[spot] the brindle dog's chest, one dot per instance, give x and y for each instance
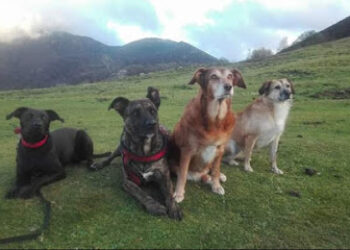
(147, 170)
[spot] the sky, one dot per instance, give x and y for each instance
(223, 28)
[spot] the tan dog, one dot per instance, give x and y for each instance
(261, 123)
(199, 138)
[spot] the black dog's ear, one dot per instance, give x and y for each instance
(17, 113)
(119, 104)
(53, 116)
(238, 79)
(265, 87)
(153, 95)
(198, 77)
(291, 86)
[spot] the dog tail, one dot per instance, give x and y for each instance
(101, 155)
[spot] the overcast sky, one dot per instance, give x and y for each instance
(223, 28)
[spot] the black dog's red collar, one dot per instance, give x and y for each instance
(129, 156)
(31, 145)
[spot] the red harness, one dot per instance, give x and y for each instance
(128, 156)
(31, 145)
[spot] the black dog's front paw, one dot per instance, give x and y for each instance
(26, 192)
(95, 166)
(175, 212)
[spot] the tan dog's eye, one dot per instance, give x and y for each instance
(278, 87)
(230, 76)
(287, 85)
(214, 77)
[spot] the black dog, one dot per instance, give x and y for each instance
(143, 148)
(41, 156)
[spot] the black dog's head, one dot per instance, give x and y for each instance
(140, 116)
(34, 123)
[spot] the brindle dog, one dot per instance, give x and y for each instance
(143, 147)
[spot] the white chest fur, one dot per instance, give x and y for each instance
(217, 109)
(209, 153)
(275, 126)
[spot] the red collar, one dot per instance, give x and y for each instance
(28, 144)
(128, 156)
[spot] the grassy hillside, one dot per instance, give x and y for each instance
(91, 210)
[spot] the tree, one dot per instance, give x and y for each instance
(283, 44)
(304, 35)
(258, 54)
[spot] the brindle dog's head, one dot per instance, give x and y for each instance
(279, 90)
(218, 83)
(35, 123)
(140, 116)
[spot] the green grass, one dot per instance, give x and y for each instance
(90, 210)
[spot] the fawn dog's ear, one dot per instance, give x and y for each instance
(17, 113)
(238, 79)
(119, 104)
(265, 87)
(153, 95)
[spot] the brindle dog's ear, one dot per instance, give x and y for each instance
(119, 104)
(238, 79)
(53, 116)
(198, 77)
(17, 113)
(153, 95)
(291, 86)
(264, 89)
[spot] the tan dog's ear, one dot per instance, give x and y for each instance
(153, 95)
(53, 116)
(264, 89)
(198, 77)
(17, 113)
(238, 79)
(119, 104)
(291, 86)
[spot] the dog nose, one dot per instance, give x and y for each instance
(37, 124)
(150, 123)
(227, 87)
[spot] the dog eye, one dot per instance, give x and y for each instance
(230, 76)
(151, 110)
(278, 87)
(287, 86)
(214, 77)
(136, 112)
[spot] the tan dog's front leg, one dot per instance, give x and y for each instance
(216, 174)
(185, 160)
(273, 156)
(249, 144)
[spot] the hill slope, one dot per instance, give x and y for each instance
(91, 210)
(63, 58)
(334, 32)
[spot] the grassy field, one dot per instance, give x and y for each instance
(90, 210)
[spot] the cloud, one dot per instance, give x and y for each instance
(225, 28)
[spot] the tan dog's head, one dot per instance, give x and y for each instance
(278, 90)
(218, 83)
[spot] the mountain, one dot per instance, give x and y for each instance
(334, 32)
(63, 58)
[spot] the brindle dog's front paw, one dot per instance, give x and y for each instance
(175, 212)
(155, 208)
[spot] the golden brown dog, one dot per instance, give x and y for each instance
(261, 123)
(199, 138)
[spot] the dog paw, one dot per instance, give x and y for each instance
(277, 171)
(155, 208)
(218, 190)
(223, 177)
(233, 162)
(248, 169)
(179, 197)
(26, 193)
(95, 166)
(175, 212)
